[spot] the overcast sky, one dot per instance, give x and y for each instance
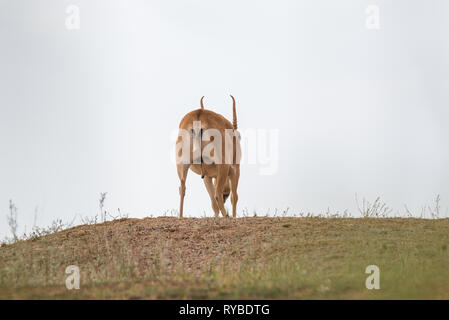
(90, 110)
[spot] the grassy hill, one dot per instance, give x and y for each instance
(207, 258)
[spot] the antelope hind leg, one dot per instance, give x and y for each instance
(210, 189)
(234, 175)
(222, 177)
(183, 169)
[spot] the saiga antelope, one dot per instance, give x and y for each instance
(220, 177)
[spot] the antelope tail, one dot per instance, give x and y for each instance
(234, 114)
(201, 102)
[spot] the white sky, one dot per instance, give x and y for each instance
(92, 110)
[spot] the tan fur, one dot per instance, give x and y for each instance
(221, 180)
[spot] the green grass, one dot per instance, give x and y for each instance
(249, 258)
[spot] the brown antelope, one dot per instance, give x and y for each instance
(204, 129)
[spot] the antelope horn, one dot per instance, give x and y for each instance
(234, 114)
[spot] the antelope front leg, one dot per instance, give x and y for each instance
(183, 169)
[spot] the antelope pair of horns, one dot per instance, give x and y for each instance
(234, 112)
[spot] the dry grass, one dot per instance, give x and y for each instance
(204, 258)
